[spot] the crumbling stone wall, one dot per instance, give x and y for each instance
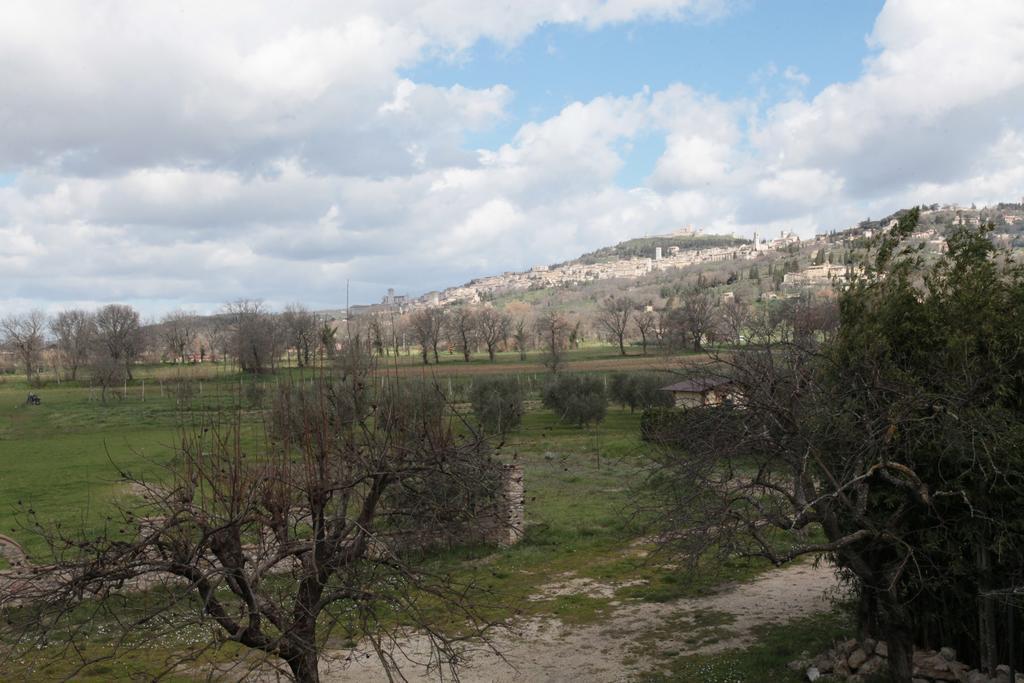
(506, 524)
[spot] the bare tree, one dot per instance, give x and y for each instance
(379, 340)
(317, 532)
(75, 332)
(553, 330)
(695, 319)
(575, 334)
(734, 317)
(462, 329)
(119, 332)
(614, 317)
(646, 323)
(301, 330)
(426, 325)
(255, 336)
(493, 328)
(178, 331)
(105, 371)
(221, 336)
(24, 334)
(521, 337)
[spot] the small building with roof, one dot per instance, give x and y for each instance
(702, 391)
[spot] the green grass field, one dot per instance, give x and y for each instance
(61, 461)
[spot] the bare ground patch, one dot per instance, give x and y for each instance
(632, 638)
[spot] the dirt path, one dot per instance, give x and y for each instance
(629, 641)
(449, 368)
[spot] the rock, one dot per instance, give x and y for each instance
(975, 676)
(824, 663)
(873, 666)
(931, 660)
(868, 645)
(881, 649)
(920, 680)
(813, 674)
(936, 675)
(856, 658)
(848, 646)
(796, 665)
(948, 653)
(841, 668)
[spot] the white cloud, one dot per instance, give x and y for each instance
(203, 152)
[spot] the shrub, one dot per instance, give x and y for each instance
(255, 394)
(660, 425)
(576, 399)
(497, 403)
(640, 391)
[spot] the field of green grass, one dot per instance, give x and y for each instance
(61, 460)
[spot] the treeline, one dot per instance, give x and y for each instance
(101, 346)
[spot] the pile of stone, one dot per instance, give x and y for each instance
(867, 660)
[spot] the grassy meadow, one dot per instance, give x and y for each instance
(60, 461)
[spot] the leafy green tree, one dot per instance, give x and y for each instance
(900, 436)
(639, 390)
(497, 403)
(577, 400)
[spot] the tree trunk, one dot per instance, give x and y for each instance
(622, 346)
(901, 651)
(896, 629)
(304, 667)
(867, 615)
(987, 647)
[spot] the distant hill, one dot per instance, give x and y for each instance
(645, 246)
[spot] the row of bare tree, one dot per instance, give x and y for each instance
(107, 342)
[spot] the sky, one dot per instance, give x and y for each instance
(183, 154)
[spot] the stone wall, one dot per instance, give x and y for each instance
(854, 660)
(509, 518)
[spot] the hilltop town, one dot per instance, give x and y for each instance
(688, 247)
